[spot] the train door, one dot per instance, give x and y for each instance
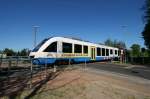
(93, 53)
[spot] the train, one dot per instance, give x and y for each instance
(59, 49)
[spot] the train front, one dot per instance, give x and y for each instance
(35, 54)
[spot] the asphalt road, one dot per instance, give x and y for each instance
(134, 70)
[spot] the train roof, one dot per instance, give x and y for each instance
(80, 40)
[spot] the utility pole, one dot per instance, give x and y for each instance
(35, 33)
(125, 27)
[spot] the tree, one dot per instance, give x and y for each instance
(23, 52)
(146, 35)
(9, 52)
(109, 42)
(146, 31)
(115, 43)
(145, 52)
(120, 45)
(135, 50)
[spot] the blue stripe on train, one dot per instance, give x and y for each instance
(42, 61)
(100, 58)
(82, 59)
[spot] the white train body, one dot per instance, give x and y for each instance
(56, 49)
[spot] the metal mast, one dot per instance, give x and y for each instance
(35, 34)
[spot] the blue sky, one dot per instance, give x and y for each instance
(92, 20)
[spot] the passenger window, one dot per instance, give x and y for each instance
(111, 51)
(67, 47)
(85, 49)
(98, 51)
(107, 52)
(115, 52)
(77, 48)
(103, 51)
(119, 52)
(52, 47)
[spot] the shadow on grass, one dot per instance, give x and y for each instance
(61, 86)
(51, 76)
(39, 85)
(13, 83)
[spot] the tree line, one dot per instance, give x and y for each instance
(135, 50)
(115, 43)
(11, 52)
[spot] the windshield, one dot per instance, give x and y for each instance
(39, 45)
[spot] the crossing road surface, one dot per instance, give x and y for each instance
(134, 70)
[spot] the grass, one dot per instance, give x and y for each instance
(66, 92)
(147, 97)
(79, 90)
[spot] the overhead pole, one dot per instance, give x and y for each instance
(34, 45)
(35, 34)
(123, 56)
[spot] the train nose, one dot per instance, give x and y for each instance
(32, 55)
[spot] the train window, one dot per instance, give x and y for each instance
(111, 51)
(119, 52)
(115, 52)
(39, 45)
(77, 48)
(85, 49)
(67, 47)
(103, 51)
(107, 52)
(52, 47)
(98, 51)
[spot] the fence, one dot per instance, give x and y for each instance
(18, 72)
(139, 60)
(14, 61)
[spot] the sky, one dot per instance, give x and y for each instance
(92, 20)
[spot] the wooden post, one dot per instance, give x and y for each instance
(46, 67)
(31, 70)
(9, 67)
(69, 61)
(54, 70)
(143, 58)
(85, 65)
(17, 61)
(1, 62)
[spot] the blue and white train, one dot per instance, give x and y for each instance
(56, 49)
